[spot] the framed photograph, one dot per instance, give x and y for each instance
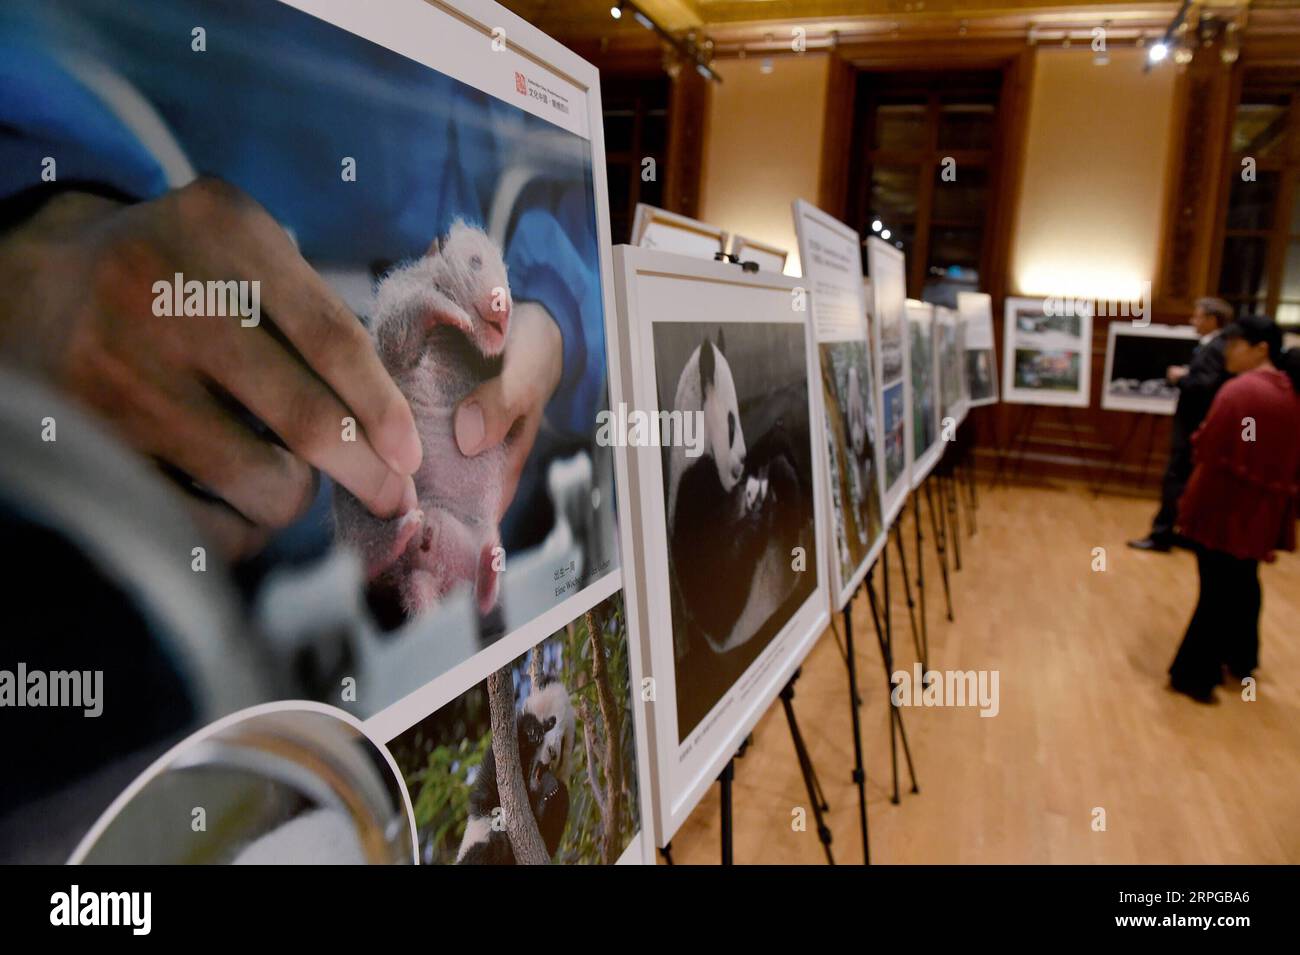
(569, 753)
(951, 352)
(976, 311)
(434, 172)
(964, 404)
(831, 254)
(725, 504)
(655, 228)
(889, 279)
(1047, 358)
(768, 257)
(924, 362)
(1137, 359)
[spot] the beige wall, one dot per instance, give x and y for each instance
(1092, 192)
(762, 146)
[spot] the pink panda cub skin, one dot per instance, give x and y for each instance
(440, 326)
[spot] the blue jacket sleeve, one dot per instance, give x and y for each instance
(48, 112)
(546, 267)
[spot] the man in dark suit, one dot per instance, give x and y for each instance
(1198, 382)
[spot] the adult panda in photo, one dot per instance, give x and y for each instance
(544, 733)
(734, 515)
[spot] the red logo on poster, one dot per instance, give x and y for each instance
(520, 85)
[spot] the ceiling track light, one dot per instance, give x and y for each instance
(698, 54)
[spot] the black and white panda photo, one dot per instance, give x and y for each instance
(585, 810)
(738, 511)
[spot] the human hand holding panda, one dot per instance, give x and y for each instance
(440, 326)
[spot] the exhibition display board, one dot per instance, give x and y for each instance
(767, 257)
(1138, 358)
(888, 273)
(831, 254)
(1046, 358)
(453, 195)
(655, 228)
(927, 448)
(724, 505)
(950, 355)
(976, 310)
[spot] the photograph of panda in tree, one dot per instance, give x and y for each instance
(741, 525)
(851, 445)
(537, 763)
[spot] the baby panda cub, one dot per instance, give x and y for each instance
(440, 325)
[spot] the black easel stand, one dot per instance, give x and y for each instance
(884, 636)
(728, 774)
(920, 581)
(939, 529)
(859, 769)
(1025, 430)
(968, 459)
(1140, 419)
(948, 492)
(815, 794)
(897, 531)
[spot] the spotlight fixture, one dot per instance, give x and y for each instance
(689, 49)
(885, 234)
(1171, 41)
(876, 225)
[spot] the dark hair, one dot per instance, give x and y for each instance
(1217, 307)
(1254, 329)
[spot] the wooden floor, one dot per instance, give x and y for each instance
(1085, 719)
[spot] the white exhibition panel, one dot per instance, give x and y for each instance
(656, 291)
(1146, 347)
(536, 74)
(655, 228)
(831, 254)
(976, 310)
(768, 258)
(920, 317)
(888, 273)
(1047, 359)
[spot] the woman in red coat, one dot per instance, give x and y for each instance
(1239, 506)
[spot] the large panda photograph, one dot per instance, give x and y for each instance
(851, 451)
(568, 756)
(740, 517)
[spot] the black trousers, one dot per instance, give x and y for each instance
(1225, 626)
(1177, 473)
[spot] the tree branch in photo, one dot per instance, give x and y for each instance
(521, 825)
(613, 752)
(590, 740)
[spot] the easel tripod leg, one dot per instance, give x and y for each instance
(940, 545)
(907, 587)
(920, 580)
(728, 775)
(859, 769)
(810, 782)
